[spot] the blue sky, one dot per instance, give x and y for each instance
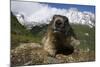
(79, 7)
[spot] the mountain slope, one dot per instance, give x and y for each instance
(19, 34)
(16, 27)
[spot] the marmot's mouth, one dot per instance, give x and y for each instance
(57, 30)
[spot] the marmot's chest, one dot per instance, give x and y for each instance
(59, 40)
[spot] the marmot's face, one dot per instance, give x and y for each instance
(60, 24)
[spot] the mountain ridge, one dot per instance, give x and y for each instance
(74, 15)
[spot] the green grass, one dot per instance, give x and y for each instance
(19, 34)
(86, 41)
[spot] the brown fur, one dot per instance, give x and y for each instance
(59, 42)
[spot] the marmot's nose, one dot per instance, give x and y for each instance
(58, 22)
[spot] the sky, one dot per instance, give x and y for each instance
(79, 7)
(41, 11)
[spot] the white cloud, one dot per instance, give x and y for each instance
(36, 13)
(26, 8)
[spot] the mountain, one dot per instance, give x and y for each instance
(40, 18)
(19, 33)
(16, 27)
(31, 14)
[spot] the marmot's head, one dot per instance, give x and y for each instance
(60, 24)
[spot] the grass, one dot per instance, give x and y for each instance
(87, 41)
(19, 34)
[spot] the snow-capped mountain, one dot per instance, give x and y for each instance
(43, 15)
(74, 16)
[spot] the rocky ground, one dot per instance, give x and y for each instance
(33, 54)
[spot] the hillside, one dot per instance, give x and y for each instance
(16, 27)
(19, 34)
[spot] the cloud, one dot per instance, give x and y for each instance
(37, 13)
(26, 8)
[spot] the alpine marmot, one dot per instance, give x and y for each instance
(60, 37)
